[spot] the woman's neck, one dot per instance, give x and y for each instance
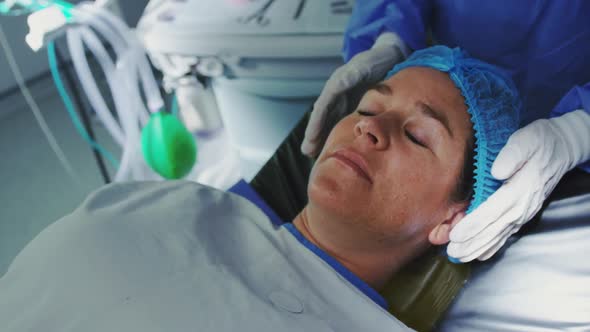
(374, 264)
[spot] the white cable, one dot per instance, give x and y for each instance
(118, 131)
(130, 117)
(118, 89)
(35, 109)
(90, 87)
(116, 32)
(155, 102)
(121, 45)
(130, 108)
(126, 65)
(125, 91)
(131, 65)
(152, 92)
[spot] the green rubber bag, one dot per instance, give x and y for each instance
(168, 147)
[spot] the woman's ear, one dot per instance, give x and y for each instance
(440, 233)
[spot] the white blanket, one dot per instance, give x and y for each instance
(539, 283)
(177, 256)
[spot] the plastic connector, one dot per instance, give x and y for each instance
(44, 26)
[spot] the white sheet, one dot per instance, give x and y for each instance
(539, 283)
(177, 256)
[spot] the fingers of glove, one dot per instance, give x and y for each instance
(493, 231)
(514, 154)
(379, 61)
(535, 204)
(524, 194)
(308, 146)
(344, 78)
(510, 222)
(496, 247)
(553, 173)
(338, 109)
(531, 188)
(365, 67)
(321, 122)
(468, 256)
(312, 130)
(487, 213)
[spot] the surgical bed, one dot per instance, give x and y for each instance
(432, 293)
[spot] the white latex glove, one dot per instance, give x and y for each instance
(366, 67)
(533, 161)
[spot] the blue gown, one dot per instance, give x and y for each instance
(543, 44)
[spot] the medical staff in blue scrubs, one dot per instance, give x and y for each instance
(543, 44)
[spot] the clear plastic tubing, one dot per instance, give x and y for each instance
(123, 104)
(116, 32)
(89, 85)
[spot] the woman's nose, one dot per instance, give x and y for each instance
(371, 132)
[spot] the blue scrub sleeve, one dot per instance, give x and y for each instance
(370, 18)
(577, 98)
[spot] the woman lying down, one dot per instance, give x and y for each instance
(392, 180)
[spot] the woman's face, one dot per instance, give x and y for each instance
(391, 166)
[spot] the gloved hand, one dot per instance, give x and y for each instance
(533, 161)
(366, 67)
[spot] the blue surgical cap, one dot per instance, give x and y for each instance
(492, 102)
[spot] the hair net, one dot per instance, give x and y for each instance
(492, 101)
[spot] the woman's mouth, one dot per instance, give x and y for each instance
(354, 161)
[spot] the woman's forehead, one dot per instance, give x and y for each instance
(435, 89)
(435, 84)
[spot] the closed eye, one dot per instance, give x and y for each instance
(365, 113)
(415, 140)
(408, 133)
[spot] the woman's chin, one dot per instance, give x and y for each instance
(332, 195)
